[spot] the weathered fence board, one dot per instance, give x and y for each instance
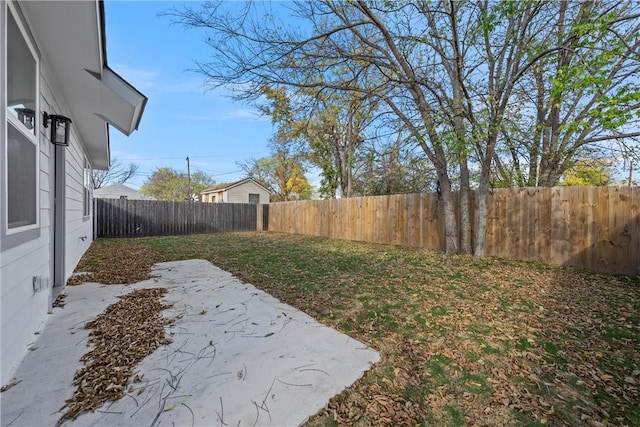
(595, 228)
(138, 218)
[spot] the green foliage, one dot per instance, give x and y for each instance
(515, 88)
(282, 173)
(168, 184)
(588, 172)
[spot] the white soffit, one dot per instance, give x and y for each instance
(120, 104)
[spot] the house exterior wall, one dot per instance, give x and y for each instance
(78, 226)
(212, 197)
(30, 254)
(217, 197)
(240, 193)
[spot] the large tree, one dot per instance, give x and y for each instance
(453, 74)
(168, 184)
(393, 168)
(282, 174)
(579, 101)
(252, 49)
(284, 170)
(335, 136)
(324, 129)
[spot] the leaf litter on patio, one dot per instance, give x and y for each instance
(463, 341)
(121, 337)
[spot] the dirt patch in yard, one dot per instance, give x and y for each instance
(464, 341)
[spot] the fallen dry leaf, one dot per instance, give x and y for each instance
(124, 334)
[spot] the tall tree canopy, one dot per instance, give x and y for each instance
(168, 184)
(583, 172)
(518, 90)
(284, 175)
(284, 171)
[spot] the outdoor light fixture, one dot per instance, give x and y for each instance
(60, 127)
(27, 116)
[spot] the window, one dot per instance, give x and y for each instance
(21, 182)
(22, 129)
(254, 199)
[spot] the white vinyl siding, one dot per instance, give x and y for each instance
(240, 193)
(79, 229)
(23, 258)
(23, 309)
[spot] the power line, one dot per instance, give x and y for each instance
(149, 173)
(226, 173)
(173, 158)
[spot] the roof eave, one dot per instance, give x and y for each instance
(71, 38)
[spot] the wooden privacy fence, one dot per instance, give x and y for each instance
(595, 228)
(138, 218)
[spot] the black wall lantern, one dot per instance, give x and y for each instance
(60, 127)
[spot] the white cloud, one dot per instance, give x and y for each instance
(194, 85)
(242, 114)
(147, 79)
(141, 79)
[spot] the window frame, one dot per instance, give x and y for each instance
(87, 189)
(254, 194)
(10, 120)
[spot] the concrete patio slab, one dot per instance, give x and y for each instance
(239, 357)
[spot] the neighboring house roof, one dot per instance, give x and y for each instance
(228, 185)
(119, 191)
(71, 35)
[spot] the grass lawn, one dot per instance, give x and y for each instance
(463, 341)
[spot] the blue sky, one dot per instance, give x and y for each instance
(182, 118)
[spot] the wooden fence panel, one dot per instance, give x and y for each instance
(595, 228)
(141, 218)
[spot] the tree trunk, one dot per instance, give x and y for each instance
(465, 214)
(450, 223)
(349, 172)
(460, 131)
(348, 152)
(483, 194)
(482, 201)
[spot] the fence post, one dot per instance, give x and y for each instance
(259, 223)
(265, 217)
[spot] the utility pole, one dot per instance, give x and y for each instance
(189, 180)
